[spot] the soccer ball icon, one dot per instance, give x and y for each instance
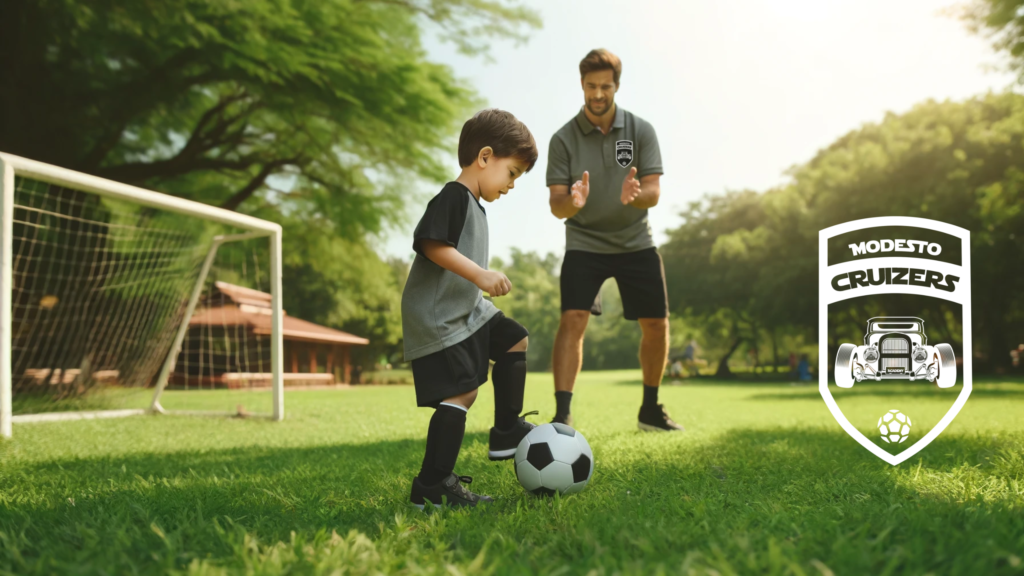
(554, 458)
(894, 426)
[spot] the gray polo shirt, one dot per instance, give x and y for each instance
(441, 308)
(604, 225)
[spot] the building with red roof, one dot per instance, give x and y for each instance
(228, 344)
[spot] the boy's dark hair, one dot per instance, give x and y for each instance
(500, 130)
(601, 59)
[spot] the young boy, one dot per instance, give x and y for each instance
(450, 330)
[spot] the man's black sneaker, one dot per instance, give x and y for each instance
(449, 491)
(505, 442)
(559, 419)
(656, 419)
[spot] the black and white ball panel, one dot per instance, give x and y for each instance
(554, 457)
(564, 429)
(557, 475)
(528, 476)
(582, 468)
(539, 455)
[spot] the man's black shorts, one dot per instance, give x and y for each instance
(640, 276)
(463, 367)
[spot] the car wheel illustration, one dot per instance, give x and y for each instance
(844, 366)
(947, 366)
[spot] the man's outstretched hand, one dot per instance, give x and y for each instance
(580, 190)
(630, 187)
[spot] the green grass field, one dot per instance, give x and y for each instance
(763, 482)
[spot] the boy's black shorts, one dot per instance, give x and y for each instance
(640, 276)
(463, 367)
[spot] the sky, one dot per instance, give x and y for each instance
(738, 91)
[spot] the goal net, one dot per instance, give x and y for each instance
(119, 301)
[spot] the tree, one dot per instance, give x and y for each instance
(327, 101)
(322, 115)
(534, 301)
(755, 256)
(712, 264)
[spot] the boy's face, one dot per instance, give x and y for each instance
(499, 175)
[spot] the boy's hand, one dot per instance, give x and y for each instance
(630, 187)
(494, 283)
(580, 190)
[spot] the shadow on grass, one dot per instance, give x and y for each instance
(708, 381)
(747, 501)
(782, 381)
(889, 390)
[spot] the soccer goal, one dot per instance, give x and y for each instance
(118, 301)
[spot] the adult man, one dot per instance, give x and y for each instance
(603, 150)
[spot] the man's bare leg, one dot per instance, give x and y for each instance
(653, 357)
(653, 349)
(567, 358)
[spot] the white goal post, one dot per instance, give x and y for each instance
(12, 167)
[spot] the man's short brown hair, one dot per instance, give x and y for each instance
(500, 130)
(598, 60)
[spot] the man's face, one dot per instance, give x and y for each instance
(499, 177)
(599, 91)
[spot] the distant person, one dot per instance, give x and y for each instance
(792, 364)
(803, 369)
(604, 171)
(451, 332)
(676, 369)
(357, 374)
(690, 360)
(1016, 354)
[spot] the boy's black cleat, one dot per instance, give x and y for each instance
(656, 419)
(449, 491)
(559, 419)
(504, 442)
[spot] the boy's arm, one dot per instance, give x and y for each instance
(447, 257)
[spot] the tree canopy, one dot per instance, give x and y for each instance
(325, 116)
(212, 100)
(754, 256)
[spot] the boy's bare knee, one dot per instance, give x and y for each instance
(465, 400)
(520, 346)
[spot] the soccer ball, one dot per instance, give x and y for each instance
(554, 458)
(894, 426)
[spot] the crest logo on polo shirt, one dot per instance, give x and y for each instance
(894, 319)
(624, 152)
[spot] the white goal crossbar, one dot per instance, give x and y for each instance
(11, 166)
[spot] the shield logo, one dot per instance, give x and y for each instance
(894, 319)
(624, 152)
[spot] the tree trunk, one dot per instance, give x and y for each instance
(723, 364)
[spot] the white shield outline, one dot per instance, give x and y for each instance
(962, 297)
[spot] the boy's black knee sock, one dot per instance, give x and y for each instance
(509, 377)
(650, 396)
(562, 401)
(444, 440)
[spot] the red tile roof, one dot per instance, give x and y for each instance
(257, 318)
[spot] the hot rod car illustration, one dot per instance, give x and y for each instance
(895, 348)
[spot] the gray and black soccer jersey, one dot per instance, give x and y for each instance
(604, 225)
(441, 308)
